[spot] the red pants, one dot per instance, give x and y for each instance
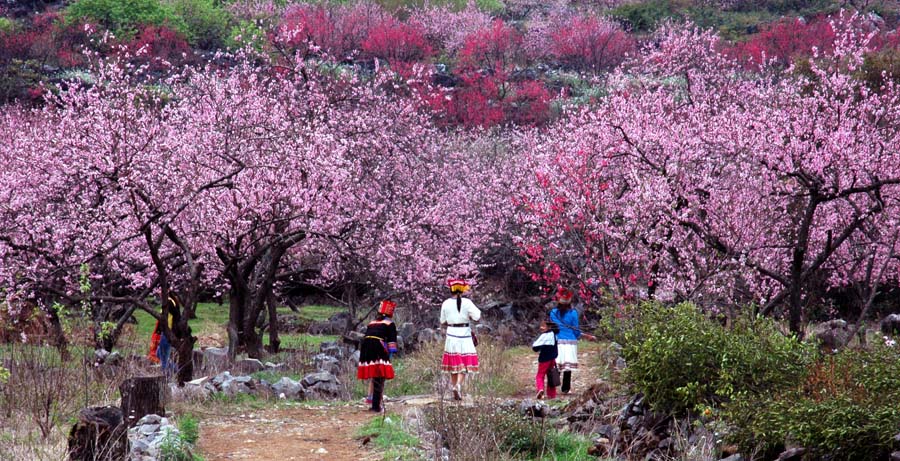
(543, 367)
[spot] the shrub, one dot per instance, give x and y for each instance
(18, 80)
(124, 16)
(246, 33)
(7, 25)
(644, 16)
(880, 67)
(174, 448)
(190, 428)
(206, 24)
(46, 394)
(417, 373)
(844, 408)
(491, 431)
(682, 360)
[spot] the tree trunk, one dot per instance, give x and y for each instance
(184, 356)
(251, 340)
(795, 312)
(274, 342)
(59, 335)
(235, 319)
(351, 304)
(99, 435)
(141, 397)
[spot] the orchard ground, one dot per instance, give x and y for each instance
(261, 428)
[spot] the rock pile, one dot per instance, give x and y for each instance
(148, 435)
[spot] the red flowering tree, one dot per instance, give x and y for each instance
(784, 41)
(498, 46)
(158, 46)
(396, 41)
(590, 43)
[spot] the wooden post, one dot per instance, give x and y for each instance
(143, 396)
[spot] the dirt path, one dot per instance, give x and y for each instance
(293, 433)
(328, 432)
(589, 361)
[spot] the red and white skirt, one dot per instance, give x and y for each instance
(374, 360)
(375, 369)
(567, 360)
(459, 351)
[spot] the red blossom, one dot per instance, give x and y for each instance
(397, 41)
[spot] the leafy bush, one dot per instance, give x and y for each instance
(173, 448)
(880, 67)
(246, 34)
(844, 408)
(190, 428)
(124, 16)
(683, 360)
(179, 445)
(207, 25)
(7, 25)
(644, 16)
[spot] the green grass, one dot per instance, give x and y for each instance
(301, 341)
(316, 313)
(211, 318)
(274, 376)
(567, 447)
(387, 434)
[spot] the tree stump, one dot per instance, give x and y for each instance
(143, 396)
(99, 435)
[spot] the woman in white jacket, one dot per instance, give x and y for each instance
(460, 356)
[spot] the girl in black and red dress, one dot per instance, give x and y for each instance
(376, 350)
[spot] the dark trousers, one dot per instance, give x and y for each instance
(377, 393)
(566, 381)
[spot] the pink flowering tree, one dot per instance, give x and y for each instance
(104, 187)
(735, 189)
